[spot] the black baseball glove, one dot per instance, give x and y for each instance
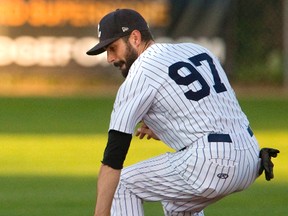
(266, 163)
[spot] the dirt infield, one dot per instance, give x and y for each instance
(40, 89)
(57, 84)
(99, 85)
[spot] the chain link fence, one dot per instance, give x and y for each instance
(252, 32)
(258, 41)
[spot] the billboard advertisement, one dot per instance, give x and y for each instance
(52, 36)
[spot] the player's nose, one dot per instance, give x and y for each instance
(110, 57)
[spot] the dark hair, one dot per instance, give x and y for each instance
(145, 36)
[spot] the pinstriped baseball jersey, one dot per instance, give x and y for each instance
(183, 95)
(181, 92)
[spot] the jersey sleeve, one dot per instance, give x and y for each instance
(133, 101)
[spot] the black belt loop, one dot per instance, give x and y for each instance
(222, 137)
(219, 138)
(250, 131)
(183, 148)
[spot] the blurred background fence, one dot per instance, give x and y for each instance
(43, 42)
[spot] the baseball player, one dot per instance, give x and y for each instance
(179, 93)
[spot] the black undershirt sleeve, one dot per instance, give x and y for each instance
(116, 149)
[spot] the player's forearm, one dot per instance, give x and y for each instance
(107, 183)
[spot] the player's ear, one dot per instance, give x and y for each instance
(135, 38)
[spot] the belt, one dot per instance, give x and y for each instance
(219, 138)
(222, 137)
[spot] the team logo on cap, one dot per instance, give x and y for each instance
(124, 29)
(99, 32)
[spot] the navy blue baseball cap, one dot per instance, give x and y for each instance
(115, 25)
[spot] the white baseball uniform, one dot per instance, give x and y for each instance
(183, 95)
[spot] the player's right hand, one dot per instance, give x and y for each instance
(144, 130)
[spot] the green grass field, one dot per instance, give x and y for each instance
(50, 152)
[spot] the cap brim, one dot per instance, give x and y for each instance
(99, 48)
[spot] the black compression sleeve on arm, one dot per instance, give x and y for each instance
(116, 149)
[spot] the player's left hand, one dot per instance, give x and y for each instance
(144, 130)
(266, 163)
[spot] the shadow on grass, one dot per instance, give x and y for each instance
(70, 195)
(34, 195)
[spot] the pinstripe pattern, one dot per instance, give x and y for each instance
(185, 181)
(149, 94)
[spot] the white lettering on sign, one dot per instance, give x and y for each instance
(60, 51)
(6, 49)
(48, 51)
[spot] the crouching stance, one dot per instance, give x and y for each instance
(181, 96)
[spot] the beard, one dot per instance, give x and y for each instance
(129, 58)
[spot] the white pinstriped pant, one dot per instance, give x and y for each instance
(185, 182)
